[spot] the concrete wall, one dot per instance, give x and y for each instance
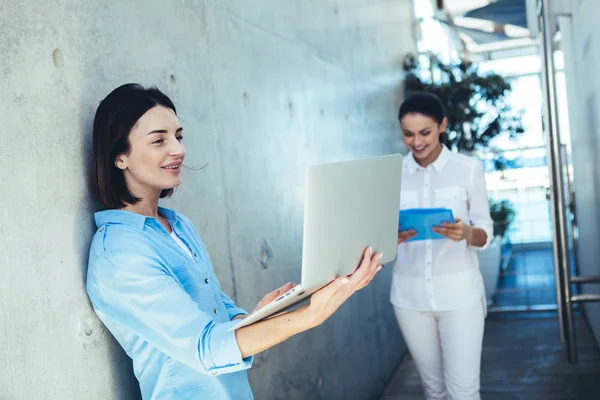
(265, 88)
(581, 46)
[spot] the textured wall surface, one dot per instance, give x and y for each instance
(581, 45)
(264, 89)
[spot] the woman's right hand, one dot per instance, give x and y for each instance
(403, 236)
(327, 300)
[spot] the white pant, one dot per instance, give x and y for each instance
(446, 347)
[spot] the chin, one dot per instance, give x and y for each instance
(171, 185)
(421, 156)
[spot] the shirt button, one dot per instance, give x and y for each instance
(215, 311)
(101, 229)
(214, 373)
(206, 280)
(194, 254)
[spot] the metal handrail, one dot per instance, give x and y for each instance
(585, 279)
(564, 280)
(560, 246)
(585, 298)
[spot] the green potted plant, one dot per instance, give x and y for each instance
(491, 259)
(503, 214)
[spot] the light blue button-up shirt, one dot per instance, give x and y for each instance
(166, 310)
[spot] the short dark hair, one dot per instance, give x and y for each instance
(424, 103)
(115, 117)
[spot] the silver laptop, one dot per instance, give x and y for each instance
(348, 206)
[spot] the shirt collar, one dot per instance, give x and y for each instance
(131, 218)
(442, 159)
(437, 165)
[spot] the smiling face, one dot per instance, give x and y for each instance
(421, 134)
(156, 154)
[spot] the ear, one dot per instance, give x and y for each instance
(121, 162)
(444, 125)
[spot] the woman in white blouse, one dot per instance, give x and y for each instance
(437, 289)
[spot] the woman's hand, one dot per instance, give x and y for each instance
(253, 339)
(269, 297)
(327, 300)
(403, 236)
(457, 231)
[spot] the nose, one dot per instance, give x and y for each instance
(176, 148)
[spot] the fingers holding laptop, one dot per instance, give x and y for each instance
(269, 297)
(326, 301)
(367, 269)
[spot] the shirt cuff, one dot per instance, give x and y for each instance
(235, 311)
(489, 232)
(225, 351)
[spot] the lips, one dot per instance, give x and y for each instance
(173, 165)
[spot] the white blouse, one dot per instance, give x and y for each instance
(181, 244)
(442, 275)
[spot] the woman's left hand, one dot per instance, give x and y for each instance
(456, 231)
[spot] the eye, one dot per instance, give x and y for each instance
(426, 133)
(408, 134)
(180, 138)
(158, 141)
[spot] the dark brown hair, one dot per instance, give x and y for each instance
(115, 117)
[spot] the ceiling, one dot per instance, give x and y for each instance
(489, 32)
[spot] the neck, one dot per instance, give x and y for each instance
(148, 204)
(431, 157)
(145, 207)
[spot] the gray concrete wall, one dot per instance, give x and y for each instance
(265, 88)
(581, 46)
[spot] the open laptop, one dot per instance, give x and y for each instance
(348, 206)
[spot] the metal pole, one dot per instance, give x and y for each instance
(546, 119)
(560, 245)
(585, 279)
(586, 298)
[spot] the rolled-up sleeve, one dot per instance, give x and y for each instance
(232, 309)
(479, 207)
(132, 291)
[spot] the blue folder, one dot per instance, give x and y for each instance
(423, 220)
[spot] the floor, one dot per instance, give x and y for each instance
(526, 280)
(523, 358)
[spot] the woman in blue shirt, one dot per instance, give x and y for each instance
(150, 278)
